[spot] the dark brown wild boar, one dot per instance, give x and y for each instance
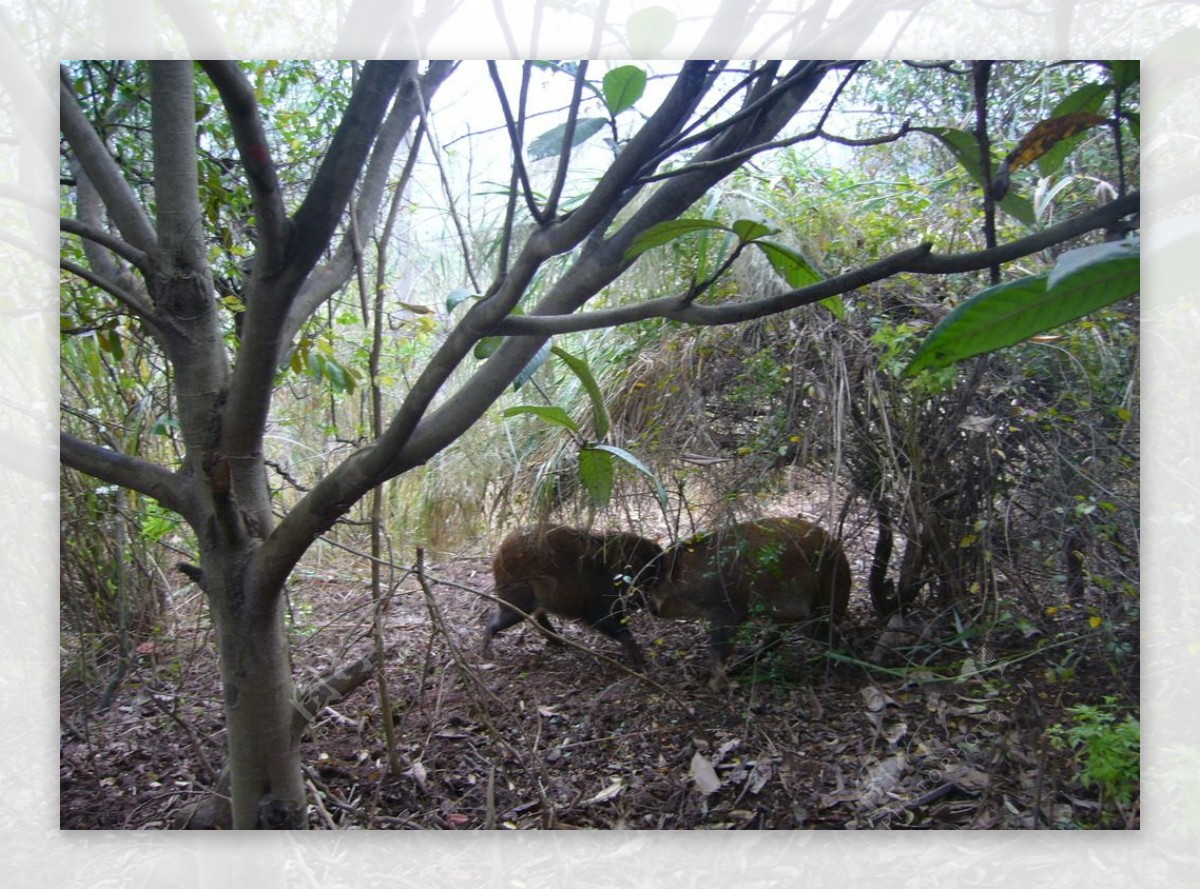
(587, 576)
(785, 570)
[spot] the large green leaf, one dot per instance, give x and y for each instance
(791, 265)
(584, 373)
(458, 296)
(531, 367)
(1083, 281)
(751, 230)
(596, 472)
(798, 272)
(1126, 72)
(549, 144)
(965, 148)
(745, 230)
(666, 232)
(622, 87)
(323, 367)
(549, 413)
(486, 346)
(633, 461)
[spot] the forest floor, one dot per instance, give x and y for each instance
(567, 738)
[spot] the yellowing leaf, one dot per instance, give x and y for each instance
(1095, 621)
(1048, 133)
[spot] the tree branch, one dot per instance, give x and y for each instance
(250, 137)
(918, 259)
(119, 246)
(102, 170)
(516, 137)
(132, 301)
(176, 181)
(129, 472)
(315, 221)
(276, 282)
(564, 158)
(325, 281)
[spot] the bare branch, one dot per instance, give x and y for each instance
(315, 221)
(176, 181)
(129, 472)
(276, 280)
(564, 158)
(119, 246)
(516, 137)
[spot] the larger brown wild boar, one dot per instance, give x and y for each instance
(785, 570)
(587, 576)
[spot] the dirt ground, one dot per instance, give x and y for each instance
(546, 737)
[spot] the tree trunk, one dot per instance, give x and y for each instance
(266, 782)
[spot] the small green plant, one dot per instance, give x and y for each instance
(1107, 750)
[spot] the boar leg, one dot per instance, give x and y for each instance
(516, 603)
(622, 635)
(609, 617)
(720, 647)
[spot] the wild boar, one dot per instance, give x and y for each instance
(587, 576)
(785, 570)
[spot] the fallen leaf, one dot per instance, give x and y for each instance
(875, 698)
(609, 793)
(704, 775)
(759, 776)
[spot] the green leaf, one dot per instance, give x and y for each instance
(550, 143)
(110, 342)
(1084, 281)
(1126, 73)
(532, 366)
(339, 376)
(649, 31)
(1087, 98)
(322, 367)
(584, 373)
(596, 472)
(836, 307)
(630, 459)
(1113, 264)
(623, 87)
(666, 232)
(458, 296)
(963, 145)
(965, 148)
(486, 346)
(790, 264)
(749, 230)
(549, 413)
